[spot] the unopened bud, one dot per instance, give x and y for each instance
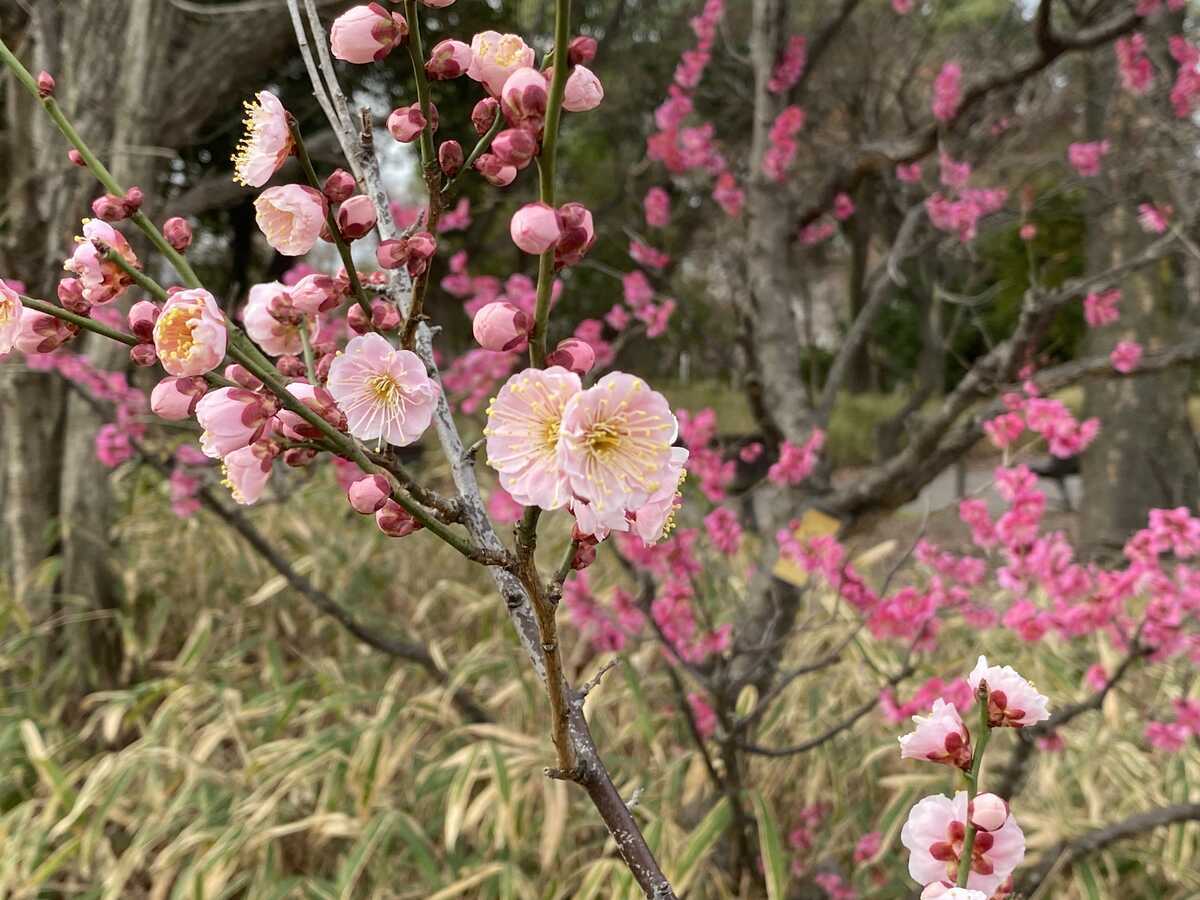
(70, 295)
(585, 555)
(581, 50)
(298, 457)
(133, 200)
(483, 116)
(384, 315)
(394, 521)
(142, 316)
(515, 147)
(109, 208)
(356, 217)
(988, 812)
(339, 186)
(45, 84)
(143, 355)
(76, 158)
(290, 366)
(241, 376)
(573, 355)
(323, 366)
(451, 157)
(178, 233)
(368, 495)
(357, 319)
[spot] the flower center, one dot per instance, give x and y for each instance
(385, 389)
(603, 438)
(174, 332)
(508, 52)
(550, 435)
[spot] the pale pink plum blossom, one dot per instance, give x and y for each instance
(113, 446)
(175, 399)
(502, 507)
(291, 216)
(315, 293)
(275, 337)
(947, 92)
(648, 256)
(448, 59)
(266, 143)
(1012, 701)
(232, 418)
(940, 737)
(583, 92)
(365, 34)
(1170, 737)
(1153, 219)
(501, 327)
(102, 279)
(1085, 158)
(658, 208)
(655, 519)
(495, 56)
(790, 66)
(1126, 356)
(728, 195)
(934, 835)
(190, 335)
(1100, 308)
(10, 317)
(723, 529)
(247, 470)
(385, 393)
(524, 431)
(796, 463)
(615, 443)
(597, 523)
(535, 228)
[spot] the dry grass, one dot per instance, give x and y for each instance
(259, 752)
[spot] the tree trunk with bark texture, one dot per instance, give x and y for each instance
(56, 497)
(1145, 455)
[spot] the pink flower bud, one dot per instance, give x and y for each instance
(143, 355)
(323, 366)
(109, 208)
(242, 376)
(573, 355)
(406, 123)
(524, 99)
(368, 495)
(581, 50)
(45, 84)
(421, 247)
(451, 157)
(384, 315)
(290, 366)
(356, 217)
(76, 158)
(583, 92)
(357, 320)
(291, 216)
(578, 235)
(392, 254)
(494, 170)
(989, 812)
(448, 59)
(585, 555)
(534, 228)
(501, 326)
(314, 294)
(175, 399)
(41, 333)
(483, 116)
(298, 457)
(515, 147)
(394, 521)
(339, 186)
(366, 34)
(133, 199)
(70, 295)
(142, 316)
(178, 233)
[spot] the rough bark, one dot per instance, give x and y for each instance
(1145, 455)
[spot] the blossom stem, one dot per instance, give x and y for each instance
(546, 174)
(343, 248)
(144, 281)
(416, 53)
(985, 734)
(83, 322)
